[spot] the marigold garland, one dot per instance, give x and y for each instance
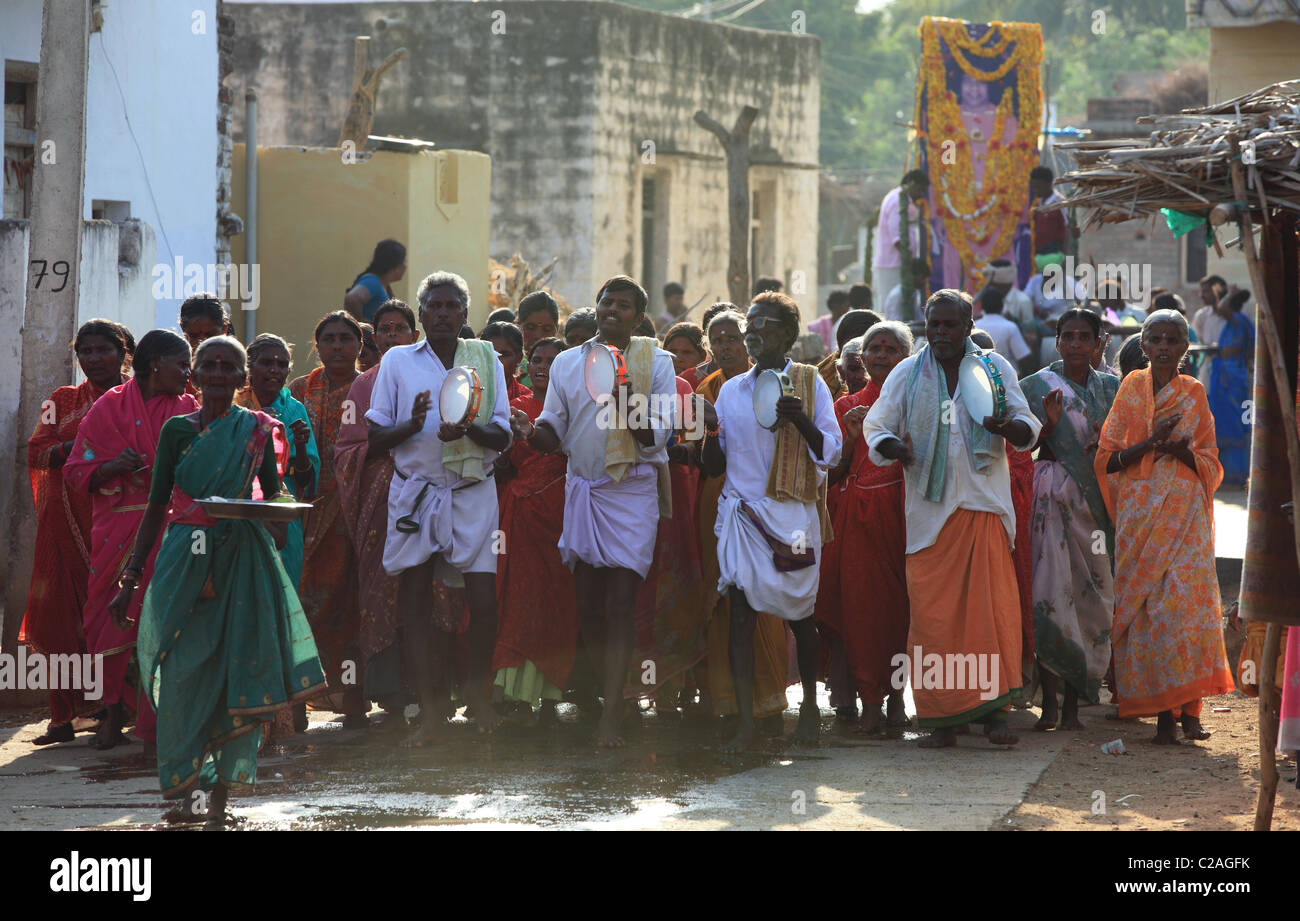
(986, 217)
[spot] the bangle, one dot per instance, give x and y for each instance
(711, 431)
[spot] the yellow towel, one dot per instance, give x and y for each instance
(792, 474)
(620, 445)
(462, 456)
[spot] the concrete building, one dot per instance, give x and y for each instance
(586, 109)
(1176, 263)
(151, 129)
(111, 166)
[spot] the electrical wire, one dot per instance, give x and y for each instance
(140, 152)
(742, 11)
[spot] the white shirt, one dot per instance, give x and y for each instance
(406, 371)
(749, 447)
(1208, 325)
(1006, 336)
(963, 487)
(574, 416)
(894, 306)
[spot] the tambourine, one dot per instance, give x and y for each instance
(982, 389)
(770, 387)
(460, 396)
(605, 367)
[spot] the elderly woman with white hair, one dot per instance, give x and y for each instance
(870, 544)
(224, 643)
(1157, 466)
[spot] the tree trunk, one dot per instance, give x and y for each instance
(735, 145)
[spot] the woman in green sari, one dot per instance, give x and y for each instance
(1071, 536)
(223, 642)
(269, 361)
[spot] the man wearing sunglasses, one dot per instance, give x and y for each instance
(772, 517)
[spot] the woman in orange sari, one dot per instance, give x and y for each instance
(329, 576)
(61, 564)
(771, 655)
(363, 478)
(1158, 468)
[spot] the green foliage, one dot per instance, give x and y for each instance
(869, 60)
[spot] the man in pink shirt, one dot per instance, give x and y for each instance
(887, 255)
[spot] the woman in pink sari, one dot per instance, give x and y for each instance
(363, 477)
(112, 461)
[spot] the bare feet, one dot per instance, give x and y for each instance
(426, 732)
(110, 734)
(810, 724)
(872, 722)
(1165, 734)
(63, 732)
(939, 738)
(744, 737)
(1192, 729)
(999, 734)
(1071, 722)
(607, 734)
(486, 718)
(895, 713)
(183, 815)
(355, 721)
(1049, 719)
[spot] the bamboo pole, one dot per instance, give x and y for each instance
(1268, 713)
(1269, 718)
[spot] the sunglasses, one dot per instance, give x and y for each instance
(761, 323)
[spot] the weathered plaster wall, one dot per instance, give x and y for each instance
(563, 94)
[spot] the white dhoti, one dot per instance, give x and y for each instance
(745, 558)
(458, 521)
(611, 524)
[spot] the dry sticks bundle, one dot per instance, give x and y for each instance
(1185, 162)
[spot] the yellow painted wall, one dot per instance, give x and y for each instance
(319, 220)
(1246, 58)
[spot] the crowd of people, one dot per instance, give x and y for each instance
(535, 552)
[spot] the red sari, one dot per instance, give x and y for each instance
(363, 500)
(118, 420)
(671, 621)
(505, 472)
(61, 568)
(537, 608)
(865, 565)
(1022, 557)
(329, 592)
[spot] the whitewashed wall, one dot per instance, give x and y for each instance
(151, 120)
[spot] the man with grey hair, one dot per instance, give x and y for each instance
(961, 524)
(442, 503)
